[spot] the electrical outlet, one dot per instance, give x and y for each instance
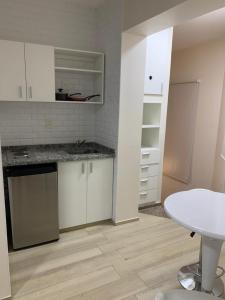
(48, 124)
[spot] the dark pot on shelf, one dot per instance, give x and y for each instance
(60, 95)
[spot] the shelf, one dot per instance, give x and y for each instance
(150, 126)
(77, 52)
(152, 102)
(143, 148)
(151, 115)
(79, 61)
(150, 137)
(79, 102)
(152, 99)
(75, 70)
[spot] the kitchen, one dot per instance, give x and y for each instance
(76, 145)
(42, 111)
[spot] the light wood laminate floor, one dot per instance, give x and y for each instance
(131, 261)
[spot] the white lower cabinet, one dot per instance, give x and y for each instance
(148, 197)
(99, 190)
(85, 192)
(72, 186)
(149, 183)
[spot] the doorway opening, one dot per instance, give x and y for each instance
(195, 126)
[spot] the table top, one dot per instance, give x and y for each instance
(199, 210)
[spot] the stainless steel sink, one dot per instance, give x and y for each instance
(21, 154)
(18, 154)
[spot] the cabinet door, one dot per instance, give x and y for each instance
(72, 187)
(99, 193)
(12, 71)
(40, 72)
(156, 62)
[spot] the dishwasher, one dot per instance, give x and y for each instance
(33, 202)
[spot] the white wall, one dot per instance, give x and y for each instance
(5, 289)
(205, 62)
(60, 23)
(138, 11)
(130, 118)
(109, 29)
(157, 15)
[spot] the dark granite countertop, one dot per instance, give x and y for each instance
(39, 154)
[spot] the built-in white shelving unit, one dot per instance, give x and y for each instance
(155, 100)
(79, 71)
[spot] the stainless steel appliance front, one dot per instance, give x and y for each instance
(33, 197)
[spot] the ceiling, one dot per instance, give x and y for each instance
(200, 30)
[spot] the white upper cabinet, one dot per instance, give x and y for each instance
(156, 63)
(99, 194)
(27, 72)
(40, 73)
(12, 71)
(32, 72)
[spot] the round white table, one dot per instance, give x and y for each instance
(202, 211)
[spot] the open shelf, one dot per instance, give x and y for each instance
(79, 71)
(152, 99)
(150, 126)
(74, 70)
(151, 115)
(77, 59)
(78, 102)
(150, 138)
(143, 148)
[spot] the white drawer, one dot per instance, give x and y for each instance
(149, 170)
(149, 183)
(150, 156)
(147, 197)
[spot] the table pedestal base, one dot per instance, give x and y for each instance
(191, 279)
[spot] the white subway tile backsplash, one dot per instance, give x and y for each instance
(45, 123)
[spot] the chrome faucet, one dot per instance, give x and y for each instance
(79, 143)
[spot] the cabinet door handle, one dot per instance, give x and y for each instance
(20, 91)
(30, 92)
(144, 180)
(91, 167)
(143, 194)
(83, 168)
(144, 167)
(145, 154)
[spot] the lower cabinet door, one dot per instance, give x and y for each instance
(100, 188)
(72, 187)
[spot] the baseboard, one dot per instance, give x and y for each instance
(149, 206)
(85, 226)
(7, 298)
(126, 221)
